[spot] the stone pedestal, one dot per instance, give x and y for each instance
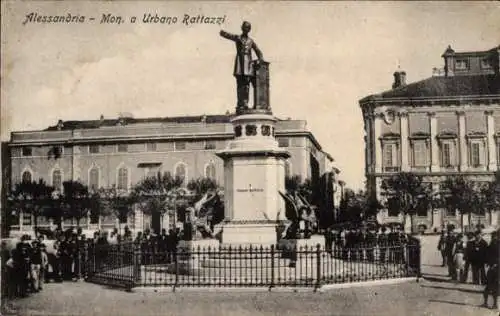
(254, 172)
(312, 242)
(248, 233)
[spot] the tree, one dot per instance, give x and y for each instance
(156, 194)
(351, 207)
(407, 190)
(76, 199)
(463, 195)
(33, 198)
(117, 202)
(356, 207)
(491, 194)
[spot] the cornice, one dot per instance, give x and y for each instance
(419, 135)
(436, 173)
(421, 101)
(475, 135)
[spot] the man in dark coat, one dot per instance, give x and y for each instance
(491, 287)
(448, 250)
(243, 64)
(479, 258)
(468, 256)
(441, 246)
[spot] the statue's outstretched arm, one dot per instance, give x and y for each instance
(258, 52)
(228, 36)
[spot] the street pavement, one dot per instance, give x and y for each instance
(434, 295)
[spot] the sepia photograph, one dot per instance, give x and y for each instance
(250, 158)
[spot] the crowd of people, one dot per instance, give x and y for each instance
(462, 253)
(382, 244)
(28, 263)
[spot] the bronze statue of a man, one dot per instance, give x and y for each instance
(243, 64)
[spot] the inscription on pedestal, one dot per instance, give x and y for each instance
(250, 190)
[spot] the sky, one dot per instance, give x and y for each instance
(324, 57)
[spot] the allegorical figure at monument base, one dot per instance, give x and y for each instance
(244, 71)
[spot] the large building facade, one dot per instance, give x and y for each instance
(444, 125)
(120, 152)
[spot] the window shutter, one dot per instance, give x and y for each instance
(395, 156)
(453, 160)
(482, 158)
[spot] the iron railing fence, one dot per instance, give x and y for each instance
(109, 264)
(134, 265)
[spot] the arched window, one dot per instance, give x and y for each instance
(94, 179)
(122, 179)
(26, 177)
(210, 171)
(57, 179)
(181, 172)
(288, 169)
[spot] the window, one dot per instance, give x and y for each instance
(288, 169)
(392, 207)
(56, 152)
(152, 171)
(122, 148)
(122, 179)
(448, 154)
(94, 179)
(449, 210)
(26, 176)
(283, 142)
(498, 151)
(150, 146)
(485, 63)
(210, 171)
(422, 207)
(419, 154)
(476, 153)
(27, 151)
(461, 64)
(57, 179)
(122, 217)
(390, 157)
(180, 171)
(210, 145)
(94, 149)
(180, 145)
(26, 218)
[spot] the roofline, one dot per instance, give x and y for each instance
(378, 99)
(134, 138)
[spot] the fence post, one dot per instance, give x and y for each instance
(272, 268)
(136, 262)
(176, 267)
(318, 267)
(418, 252)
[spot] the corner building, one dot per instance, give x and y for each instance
(447, 124)
(122, 151)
